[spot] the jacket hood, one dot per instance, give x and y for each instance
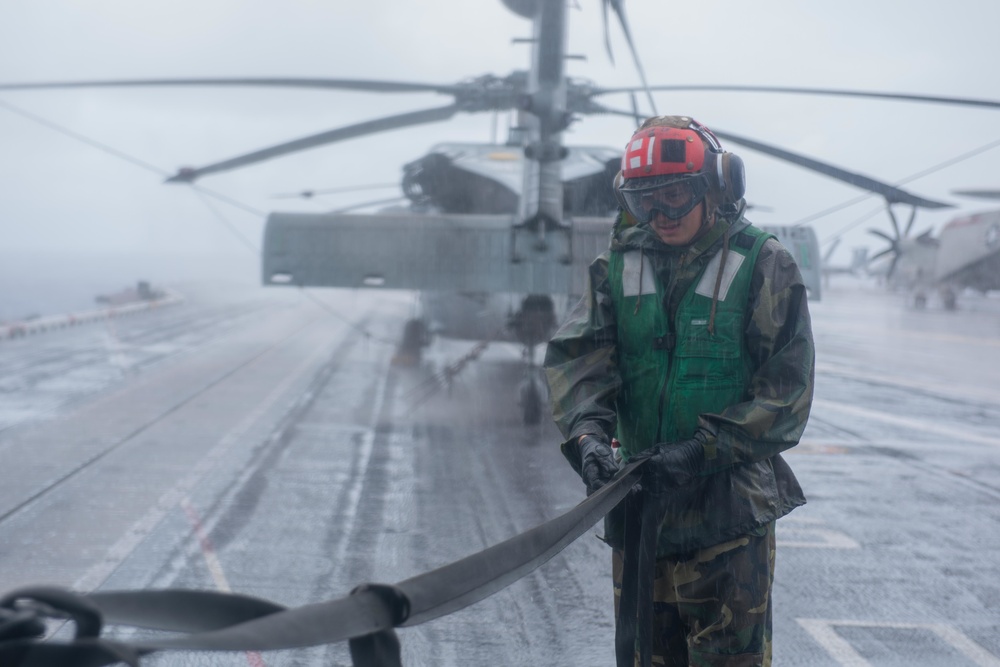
(629, 235)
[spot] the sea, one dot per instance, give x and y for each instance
(35, 285)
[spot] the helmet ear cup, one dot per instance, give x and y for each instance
(727, 177)
(736, 177)
(616, 185)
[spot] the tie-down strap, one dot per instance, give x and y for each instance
(215, 621)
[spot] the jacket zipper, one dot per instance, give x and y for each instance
(671, 286)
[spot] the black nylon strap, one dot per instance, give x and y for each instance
(652, 513)
(625, 623)
(81, 653)
(380, 649)
(634, 625)
(476, 577)
(202, 610)
(219, 621)
(84, 613)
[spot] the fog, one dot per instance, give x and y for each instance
(77, 219)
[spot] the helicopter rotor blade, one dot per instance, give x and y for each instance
(891, 193)
(635, 110)
(980, 194)
(188, 175)
(830, 250)
(619, 8)
(907, 97)
(892, 217)
(878, 255)
(892, 266)
(607, 32)
(370, 85)
(909, 223)
(883, 235)
(365, 85)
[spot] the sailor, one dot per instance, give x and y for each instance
(691, 350)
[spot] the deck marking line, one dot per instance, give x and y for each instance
(115, 347)
(207, 550)
(951, 432)
(136, 533)
(922, 335)
(364, 455)
(822, 630)
(828, 539)
(835, 645)
(971, 393)
(254, 658)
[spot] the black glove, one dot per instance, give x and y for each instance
(597, 463)
(672, 464)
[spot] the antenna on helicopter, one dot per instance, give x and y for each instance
(309, 194)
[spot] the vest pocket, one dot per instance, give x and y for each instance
(711, 359)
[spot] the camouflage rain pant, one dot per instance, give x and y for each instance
(712, 609)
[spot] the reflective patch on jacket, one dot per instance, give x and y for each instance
(706, 286)
(638, 277)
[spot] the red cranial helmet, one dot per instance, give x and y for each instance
(670, 164)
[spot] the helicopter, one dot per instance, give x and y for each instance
(496, 237)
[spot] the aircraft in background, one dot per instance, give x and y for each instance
(857, 267)
(496, 237)
(964, 255)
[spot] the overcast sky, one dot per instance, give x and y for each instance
(60, 195)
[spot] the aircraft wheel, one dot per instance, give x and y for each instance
(920, 301)
(531, 404)
(415, 338)
(949, 299)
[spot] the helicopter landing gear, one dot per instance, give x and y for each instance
(949, 299)
(415, 339)
(531, 402)
(532, 392)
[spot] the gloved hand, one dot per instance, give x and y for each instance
(597, 463)
(672, 464)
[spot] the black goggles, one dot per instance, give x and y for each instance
(674, 199)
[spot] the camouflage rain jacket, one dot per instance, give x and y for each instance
(745, 483)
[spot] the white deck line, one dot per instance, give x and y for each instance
(824, 632)
(950, 431)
